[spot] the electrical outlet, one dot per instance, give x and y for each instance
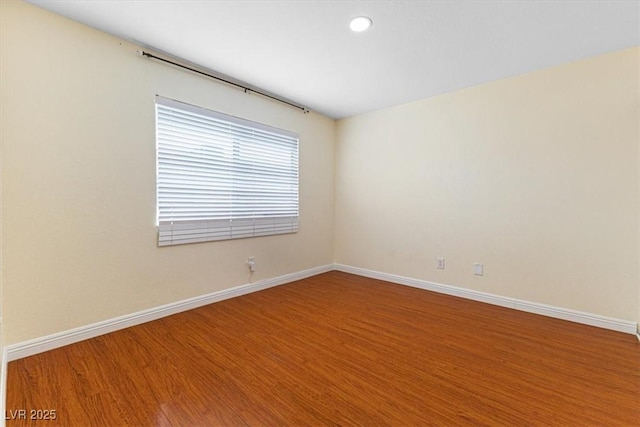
(478, 269)
(440, 263)
(251, 263)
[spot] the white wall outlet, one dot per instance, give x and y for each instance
(440, 263)
(251, 263)
(478, 269)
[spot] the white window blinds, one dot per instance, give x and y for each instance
(220, 177)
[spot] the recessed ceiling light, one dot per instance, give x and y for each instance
(360, 24)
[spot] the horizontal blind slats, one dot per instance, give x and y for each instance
(202, 231)
(221, 177)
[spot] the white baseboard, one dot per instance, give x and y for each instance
(50, 342)
(531, 307)
(3, 388)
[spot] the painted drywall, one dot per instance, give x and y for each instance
(78, 180)
(638, 125)
(535, 176)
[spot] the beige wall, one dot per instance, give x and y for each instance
(638, 130)
(535, 176)
(78, 180)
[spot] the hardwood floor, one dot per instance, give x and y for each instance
(337, 349)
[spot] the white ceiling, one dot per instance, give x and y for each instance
(304, 50)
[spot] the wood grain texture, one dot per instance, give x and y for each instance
(338, 349)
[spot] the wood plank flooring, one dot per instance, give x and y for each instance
(337, 349)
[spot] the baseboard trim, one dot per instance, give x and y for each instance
(50, 342)
(530, 307)
(29, 348)
(3, 387)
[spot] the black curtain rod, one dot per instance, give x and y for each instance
(229, 82)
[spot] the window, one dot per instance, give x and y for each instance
(220, 177)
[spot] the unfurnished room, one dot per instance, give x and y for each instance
(310, 213)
